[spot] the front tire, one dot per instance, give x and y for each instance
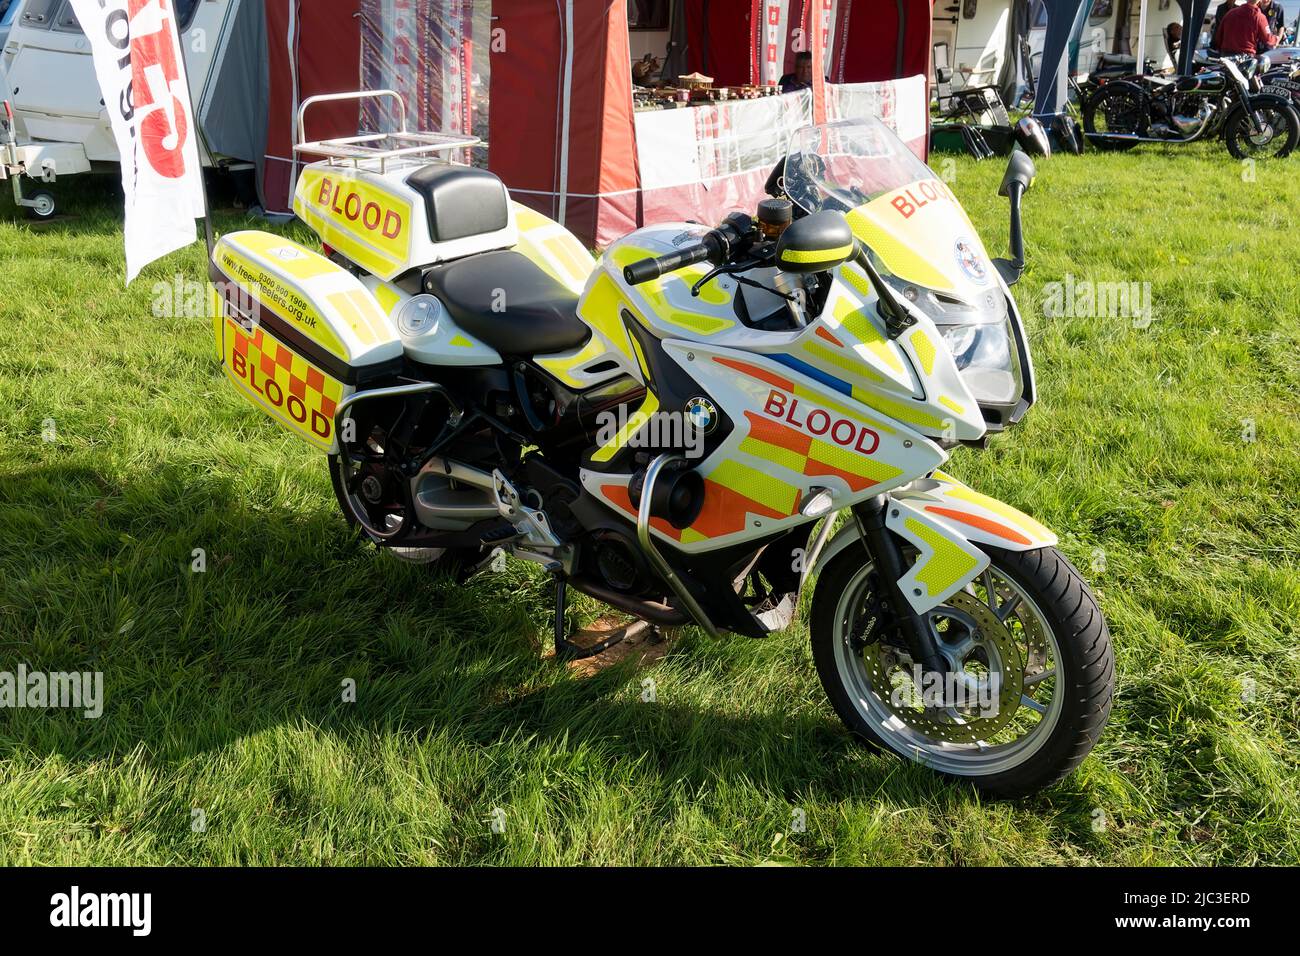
(1052, 651)
(1281, 130)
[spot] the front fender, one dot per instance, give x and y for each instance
(1257, 101)
(978, 517)
(946, 522)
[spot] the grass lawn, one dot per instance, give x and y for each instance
(223, 688)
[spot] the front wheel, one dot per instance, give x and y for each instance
(1030, 670)
(1268, 131)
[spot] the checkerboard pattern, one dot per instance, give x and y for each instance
(274, 375)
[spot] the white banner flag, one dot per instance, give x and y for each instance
(137, 52)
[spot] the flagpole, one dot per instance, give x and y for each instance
(203, 141)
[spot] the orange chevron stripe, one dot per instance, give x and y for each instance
(828, 336)
(820, 469)
(725, 511)
(790, 439)
(774, 433)
(617, 495)
(979, 521)
(753, 371)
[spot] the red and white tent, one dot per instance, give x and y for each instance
(561, 123)
(566, 140)
(865, 41)
(312, 48)
(548, 84)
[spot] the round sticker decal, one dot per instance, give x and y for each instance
(970, 261)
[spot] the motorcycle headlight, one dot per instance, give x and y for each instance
(986, 356)
(982, 332)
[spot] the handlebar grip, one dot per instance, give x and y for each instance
(648, 269)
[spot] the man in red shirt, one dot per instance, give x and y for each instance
(1244, 29)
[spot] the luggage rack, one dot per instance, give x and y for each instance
(376, 147)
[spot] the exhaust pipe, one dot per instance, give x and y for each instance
(661, 615)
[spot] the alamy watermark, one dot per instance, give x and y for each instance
(1086, 299)
(133, 911)
(40, 690)
(187, 298)
(675, 431)
(934, 691)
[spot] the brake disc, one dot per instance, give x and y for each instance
(983, 713)
(1035, 641)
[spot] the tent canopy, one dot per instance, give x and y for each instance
(548, 85)
(866, 41)
(1065, 22)
(1193, 15)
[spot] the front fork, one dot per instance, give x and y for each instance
(886, 551)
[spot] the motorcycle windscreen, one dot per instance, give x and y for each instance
(907, 216)
(920, 234)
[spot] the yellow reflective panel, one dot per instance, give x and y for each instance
(368, 224)
(946, 566)
(924, 349)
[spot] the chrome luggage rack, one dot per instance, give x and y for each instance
(377, 148)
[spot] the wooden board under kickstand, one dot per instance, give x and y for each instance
(643, 641)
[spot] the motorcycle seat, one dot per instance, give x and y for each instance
(508, 302)
(460, 201)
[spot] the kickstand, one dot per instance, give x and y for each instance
(566, 650)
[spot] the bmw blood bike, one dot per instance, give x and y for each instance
(697, 425)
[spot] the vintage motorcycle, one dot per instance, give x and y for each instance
(1284, 81)
(674, 428)
(1222, 99)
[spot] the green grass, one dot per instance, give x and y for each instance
(224, 688)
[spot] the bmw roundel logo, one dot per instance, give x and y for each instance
(702, 413)
(971, 262)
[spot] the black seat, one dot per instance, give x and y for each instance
(460, 201)
(505, 300)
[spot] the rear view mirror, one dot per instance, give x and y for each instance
(1019, 175)
(1015, 182)
(815, 243)
(1032, 137)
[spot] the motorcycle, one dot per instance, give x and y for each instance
(675, 428)
(1219, 100)
(1283, 81)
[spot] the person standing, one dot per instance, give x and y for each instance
(1223, 10)
(1244, 30)
(1275, 16)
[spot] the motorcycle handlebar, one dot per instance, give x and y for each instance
(648, 269)
(715, 246)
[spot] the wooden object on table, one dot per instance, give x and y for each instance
(695, 81)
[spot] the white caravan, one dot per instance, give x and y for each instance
(59, 124)
(974, 35)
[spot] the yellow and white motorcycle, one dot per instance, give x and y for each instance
(674, 428)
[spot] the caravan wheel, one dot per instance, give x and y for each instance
(43, 206)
